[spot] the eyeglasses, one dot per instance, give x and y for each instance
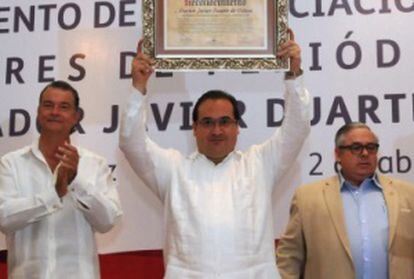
(357, 148)
(210, 123)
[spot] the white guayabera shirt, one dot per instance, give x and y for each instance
(218, 217)
(48, 237)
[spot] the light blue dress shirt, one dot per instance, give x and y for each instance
(366, 219)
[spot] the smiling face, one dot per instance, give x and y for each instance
(57, 111)
(356, 167)
(216, 141)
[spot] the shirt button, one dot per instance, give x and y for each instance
(55, 206)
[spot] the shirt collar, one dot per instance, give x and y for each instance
(34, 148)
(196, 154)
(374, 179)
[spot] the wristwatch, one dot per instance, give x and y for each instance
(292, 74)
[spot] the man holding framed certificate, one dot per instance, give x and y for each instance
(218, 201)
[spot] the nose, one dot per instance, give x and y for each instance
(364, 152)
(55, 110)
(216, 130)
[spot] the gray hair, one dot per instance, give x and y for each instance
(340, 134)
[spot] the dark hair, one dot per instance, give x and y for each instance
(215, 95)
(339, 137)
(60, 84)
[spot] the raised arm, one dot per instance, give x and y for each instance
(280, 151)
(149, 161)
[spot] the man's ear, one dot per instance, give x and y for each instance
(337, 155)
(39, 129)
(194, 127)
(79, 115)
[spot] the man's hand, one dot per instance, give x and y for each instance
(67, 168)
(291, 50)
(141, 69)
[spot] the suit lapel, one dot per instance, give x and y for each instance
(335, 206)
(391, 199)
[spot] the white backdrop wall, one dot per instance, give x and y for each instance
(358, 62)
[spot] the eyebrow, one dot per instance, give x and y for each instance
(209, 117)
(50, 101)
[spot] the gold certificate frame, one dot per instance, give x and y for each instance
(186, 35)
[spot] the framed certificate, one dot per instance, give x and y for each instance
(215, 34)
